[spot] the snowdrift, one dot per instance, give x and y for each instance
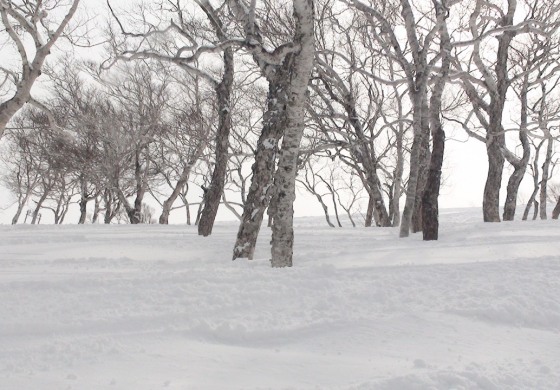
(157, 307)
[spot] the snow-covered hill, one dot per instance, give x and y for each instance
(157, 307)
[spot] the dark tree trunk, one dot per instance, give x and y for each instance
(83, 210)
(536, 211)
(530, 203)
(214, 194)
(556, 211)
(423, 167)
(430, 204)
(430, 207)
(495, 137)
(491, 202)
(38, 207)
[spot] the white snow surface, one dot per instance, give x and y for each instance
(157, 307)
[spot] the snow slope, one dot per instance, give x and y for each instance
(157, 307)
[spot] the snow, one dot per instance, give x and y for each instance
(269, 143)
(157, 307)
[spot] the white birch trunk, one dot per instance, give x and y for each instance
(285, 177)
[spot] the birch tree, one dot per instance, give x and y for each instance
(279, 67)
(287, 69)
(26, 21)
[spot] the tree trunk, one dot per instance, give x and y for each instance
(10, 107)
(495, 137)
(417, 98)
(96, 210)
(545, 176)
(535, 166)
(519, 165)
(84, 199)
(168, 203)
(285, 177)
(111, 208)
(491, 202)
(556, 211)
(430, 204)
(38, 207)
(423, 167)
(260, 191)
(515, 181)
(369, 213)
(183, 196)
(530, 203)
(21, 205)
(397, 184)
(430, 207)
(83, 210)
(214, 194)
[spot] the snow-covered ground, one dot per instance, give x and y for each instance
(157, 307)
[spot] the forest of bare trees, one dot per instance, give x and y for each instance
(197, 105)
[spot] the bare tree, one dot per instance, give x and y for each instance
(23, 20)
(413, 59)
(182, 144)
(141, 97)
(278, 66)
(311, 180)
(360, 130)
(488, 83)
(20, 163)
(186, 39)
